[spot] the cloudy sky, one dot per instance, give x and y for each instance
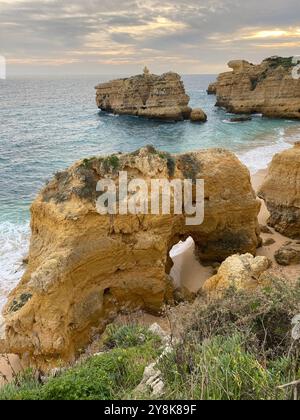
(121, 36)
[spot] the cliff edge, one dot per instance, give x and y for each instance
(269, 88)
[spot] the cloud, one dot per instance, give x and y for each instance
(122, 35)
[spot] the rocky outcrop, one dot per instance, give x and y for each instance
(242, 272)
(268, 88)
(158, 97)
(197, 115)
(85, 267)
(212, 88)
(288, 254)
(281, 192)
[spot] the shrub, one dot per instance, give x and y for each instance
(237, 347)
(111, 375)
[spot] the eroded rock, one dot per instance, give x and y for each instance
(147, 95)
(281, 192)
(268, 88)
(242, 272)
(84, 267)
(288, 254)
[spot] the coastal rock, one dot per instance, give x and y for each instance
(288, 254)
(268, 88)
(281, 192)
(158, 97)
(212, 88)
(240, 119)
(243, 272)
(85, 267)
(197, 115)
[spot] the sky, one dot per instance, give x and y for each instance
(122, 36)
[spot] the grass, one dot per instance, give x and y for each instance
(111, 375)
(237, 348)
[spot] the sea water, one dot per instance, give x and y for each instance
(48, 123)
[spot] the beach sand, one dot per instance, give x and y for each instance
(195, 281)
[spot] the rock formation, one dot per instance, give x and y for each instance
(158, 97)
(288, 254)
(85, 267)
(212, 89)
(281, 192)
(268, 88)
(197, 115)
(243, 272)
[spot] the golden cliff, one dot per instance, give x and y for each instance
(268, 88)
(147, 95)
(84, 267)
(281, 192)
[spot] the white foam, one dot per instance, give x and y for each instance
(14, 245)
(260, 157)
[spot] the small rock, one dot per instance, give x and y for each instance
(240, 119)
(296, 329)
(269, 242)
(288, 254)
(197, 115)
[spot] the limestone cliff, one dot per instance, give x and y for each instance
(85, 267)
(281, 192)
(159, 97)
(268, 88)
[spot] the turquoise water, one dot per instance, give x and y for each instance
(47, 124)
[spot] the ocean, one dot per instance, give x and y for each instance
(47, 123)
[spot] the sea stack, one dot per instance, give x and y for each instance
(269, 88)
(147, 95)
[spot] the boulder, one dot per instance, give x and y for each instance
(281, 192)
(243, 272)
(268, 88)
(288, 254)
(197, 115)
(85, 267)
(212, 89)
(147, 95)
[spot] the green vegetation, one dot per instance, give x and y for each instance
(111, 163)
(237, 348)
(286, 62)
(111, 375)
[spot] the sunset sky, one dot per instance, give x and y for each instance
(121, 36)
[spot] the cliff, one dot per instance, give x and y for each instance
(281, 192)
(268, 88)
(84, 267)
(159, 97)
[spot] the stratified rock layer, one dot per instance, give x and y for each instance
(281, 192)
(159, 97)
(268, 88)
(85, 267)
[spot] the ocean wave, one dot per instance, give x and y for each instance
(14, 245)
(260, 157)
